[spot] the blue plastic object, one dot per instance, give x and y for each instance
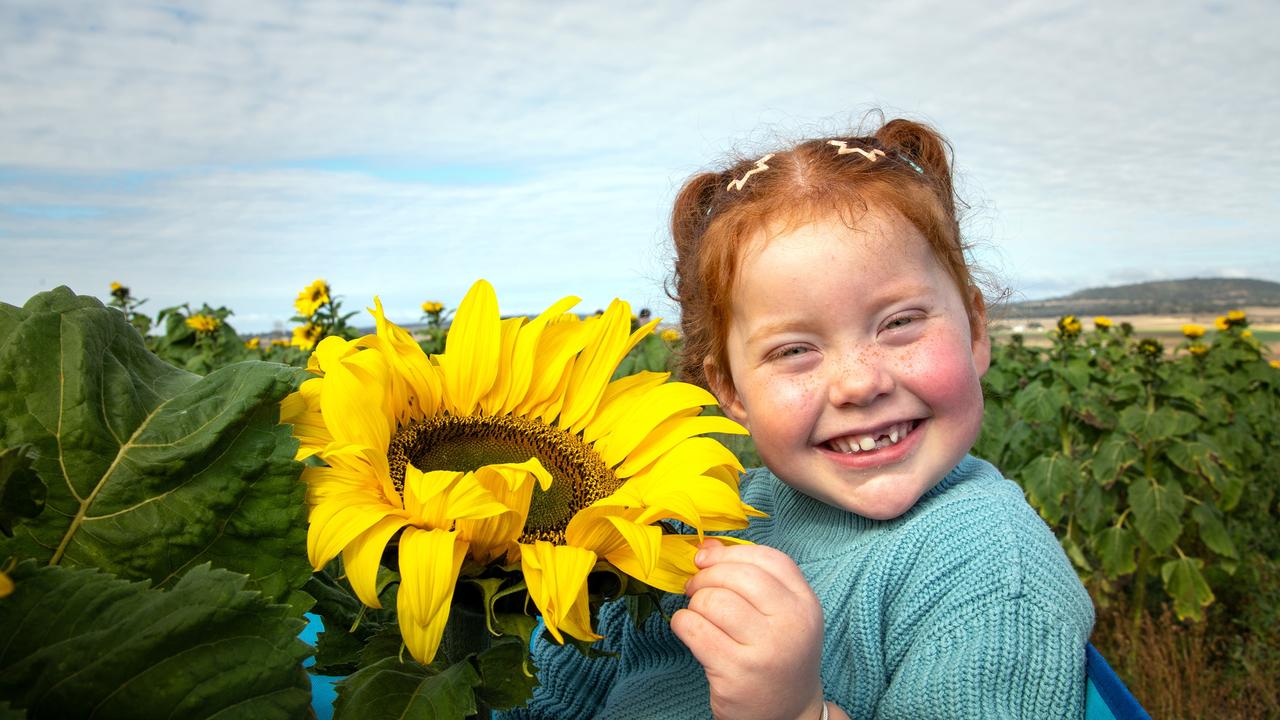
(1106, 697)
(322, 691)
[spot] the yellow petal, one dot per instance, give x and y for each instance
(525, 354)
(493, 400)
(362, 556)
(645, 542)
(415, 381)
(666, 436)
(639, 335)
(440, 497)
(301, 409)
(339, 519)
(657, 406)
(365, 462)
(557, 346)
(594, 367)
(600, 373)
(698, 456)
(703, 502)
(675, 564)
(556, 576)
(592, 528)
(429, 565)
(512, 485)
(470, 361)
(353, 407)
(550, 409)
(619, 397)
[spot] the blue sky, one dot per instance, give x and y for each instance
(231, 152)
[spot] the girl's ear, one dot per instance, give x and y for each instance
(722, 387)
(981, 340)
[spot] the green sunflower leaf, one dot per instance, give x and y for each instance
(81, 643)
(508, 675)
(1184, 581)
(408, 690)
(22, 492)
(1157, 511)
(1117, 546)
(150, 470)
(1047, 480)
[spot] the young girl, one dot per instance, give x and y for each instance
(826, 301)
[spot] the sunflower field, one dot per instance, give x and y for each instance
(176, 499)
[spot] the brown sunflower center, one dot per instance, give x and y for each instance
(466, 443)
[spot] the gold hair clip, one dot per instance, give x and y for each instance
(760, 167)
(844, 149)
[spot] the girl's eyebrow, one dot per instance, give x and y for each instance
(774, 328)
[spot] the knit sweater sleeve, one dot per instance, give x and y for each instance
(995, 621)
(1014, 660)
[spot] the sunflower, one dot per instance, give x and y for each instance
(512, 446)
(202, 323)
(1193, 331)
(306, 336)
(311, 298)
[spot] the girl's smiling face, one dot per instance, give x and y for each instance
(852, 362)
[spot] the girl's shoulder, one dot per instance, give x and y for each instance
(979, 526)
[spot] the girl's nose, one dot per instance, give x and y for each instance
(859, 381)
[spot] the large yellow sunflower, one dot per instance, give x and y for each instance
(512, 446)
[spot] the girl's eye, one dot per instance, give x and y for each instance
(790, 351)
(899, 322)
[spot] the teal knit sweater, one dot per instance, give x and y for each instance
(963, 607)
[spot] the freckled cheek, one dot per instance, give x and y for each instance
(942, 374)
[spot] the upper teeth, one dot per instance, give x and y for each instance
(862, 443)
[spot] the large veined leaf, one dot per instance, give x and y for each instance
(1047, 480)
(1157, 511)
(80, 643)
(408, 690)
(149, 470)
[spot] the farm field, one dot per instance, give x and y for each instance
(1264, 322)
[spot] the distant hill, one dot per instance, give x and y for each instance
(1159, 297)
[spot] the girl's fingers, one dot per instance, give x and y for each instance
(709, 644)
(773, 561)
(728, 611)
(754, 584)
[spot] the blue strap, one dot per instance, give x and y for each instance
(1107, 697)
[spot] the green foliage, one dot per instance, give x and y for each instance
(196, 350)
(22, 492)
(113, 460)
(1159, 473)
(80, 643)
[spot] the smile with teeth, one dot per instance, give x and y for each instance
(891, 435)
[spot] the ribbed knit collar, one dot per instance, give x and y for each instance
(809, 529)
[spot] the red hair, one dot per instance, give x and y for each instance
(715, 215)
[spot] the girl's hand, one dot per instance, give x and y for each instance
(756, 627)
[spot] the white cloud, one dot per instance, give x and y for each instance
(1093, 138)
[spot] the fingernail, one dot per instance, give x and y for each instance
(700, 557)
